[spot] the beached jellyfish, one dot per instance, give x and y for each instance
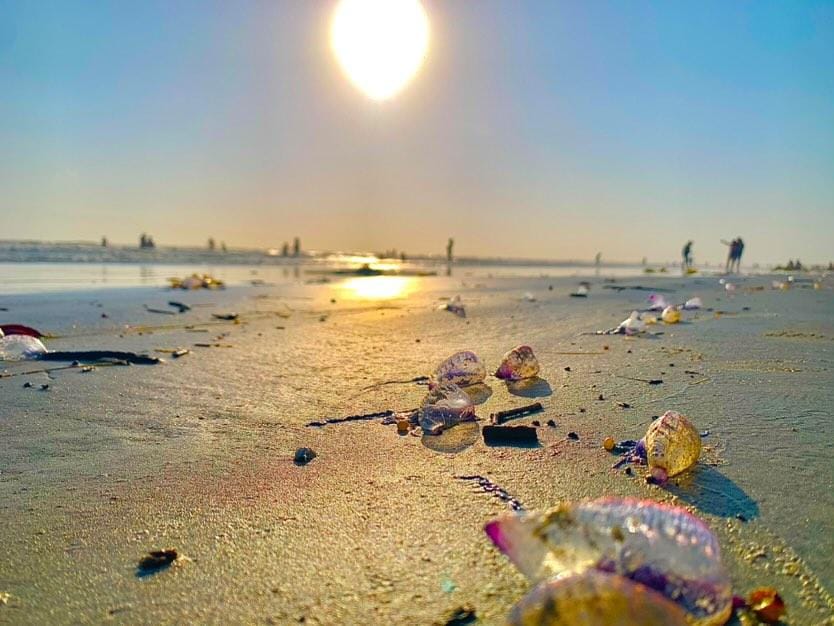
(462, 368)
(455, 305)
(672, 445)
(518, 364)
(20, 348)
(657, 545)
(693, 304)
(671, 315)
(445, 406)
(633, 325)
(592, 599)
(657, 302)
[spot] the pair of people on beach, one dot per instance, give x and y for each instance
(734, 254)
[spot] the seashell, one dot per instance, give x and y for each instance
(20, 348)
(671, 315)
(462, 368)
(517, 364)
(673, 445)
(445, 406)
(767, 604)
(660, 546)
(633, 325)
(595, 599)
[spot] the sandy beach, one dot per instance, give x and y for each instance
(196, 453)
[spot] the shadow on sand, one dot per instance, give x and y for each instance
(530, 388)
(478, 393)
(711, 492)
(455, 439)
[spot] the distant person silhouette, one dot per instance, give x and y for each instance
(449, 250)
(686, 254)
(732, 252)
(739, 252)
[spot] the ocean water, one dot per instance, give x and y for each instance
(35, 267)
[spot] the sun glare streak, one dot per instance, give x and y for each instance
(378, 287)
(380, 44)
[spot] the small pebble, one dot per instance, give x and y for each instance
(304, 456)
(572, 435)
(44, 386)
(551, 423)
(601, 397)
(27, 385)
(536, 423)
(624, 405)
(567, 369)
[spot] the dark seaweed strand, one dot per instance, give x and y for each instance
(351, 418)
(487, 486)
(99, 355)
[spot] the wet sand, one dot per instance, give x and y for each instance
(196, 453)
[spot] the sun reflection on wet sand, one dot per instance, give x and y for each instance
(378, 287)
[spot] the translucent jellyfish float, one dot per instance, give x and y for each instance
(656, 545)
(20, 348)
(592, 599)
(462, 368)
(671, 315)
(657, 302)
(445, 406)
(672, 445)
(633, 325)
(518, 364)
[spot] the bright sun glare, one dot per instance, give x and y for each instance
(380, 44)
(378, 287)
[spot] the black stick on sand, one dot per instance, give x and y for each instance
(504, 416)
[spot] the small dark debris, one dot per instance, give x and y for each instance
(502, 416)
(229, 317)
(582, 409)
(574, 436)
(156, 560)
(671, 365)
(304, 456)
(624, 405)
(601, 397)
(745, 308)
(27, 385)
(629, 471)
(536, 423)
(44, 386)
(105, 316)
(741, 517)
(628, 351)
(180, 306)
(181, 352)
(567, 369)
(461, 616)
(551, 423)
(509, 435)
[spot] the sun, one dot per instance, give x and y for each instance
(380, 44)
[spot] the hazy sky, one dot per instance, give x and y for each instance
(536, 129)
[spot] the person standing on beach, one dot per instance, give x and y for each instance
(449, 247)
(731, 254)
(686, 253)
(739, 252)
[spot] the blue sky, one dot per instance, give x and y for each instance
(535, 129)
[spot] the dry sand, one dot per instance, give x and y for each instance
(196, 453)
